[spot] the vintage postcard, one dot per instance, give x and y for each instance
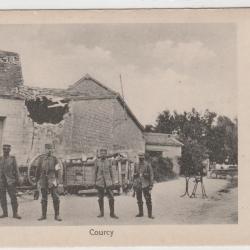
(124, 127)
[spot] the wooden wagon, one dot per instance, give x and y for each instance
(78, 174)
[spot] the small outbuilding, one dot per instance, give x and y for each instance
(165, 145)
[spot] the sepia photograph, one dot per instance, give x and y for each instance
(118, 124)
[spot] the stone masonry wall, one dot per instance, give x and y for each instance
(15, 129)
(126, 134)
(10, 70)
(92, 126)
(88, 126)
(28, 138)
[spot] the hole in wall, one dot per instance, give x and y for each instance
(47, 110)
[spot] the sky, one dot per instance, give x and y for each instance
(174, 66)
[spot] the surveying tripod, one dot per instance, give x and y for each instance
(197, 180)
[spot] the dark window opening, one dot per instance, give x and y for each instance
(152, 154)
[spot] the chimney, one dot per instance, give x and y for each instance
(10, 70)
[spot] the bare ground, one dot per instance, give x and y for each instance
(221, 207)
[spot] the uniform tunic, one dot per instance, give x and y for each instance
(104, 178)
(8, 181)
(143, 175)
(47, 174)
(143, 182)
(103, 173)
(8, 171)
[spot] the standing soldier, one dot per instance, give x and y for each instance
(143, 183)
(8, 181)
(104, 182)
(47, 174)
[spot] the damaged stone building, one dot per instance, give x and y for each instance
(78, 120)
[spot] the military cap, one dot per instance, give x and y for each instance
(6, 146)
(49, 146)
(103, 150)
(141, 155)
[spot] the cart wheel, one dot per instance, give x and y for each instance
(32, 169)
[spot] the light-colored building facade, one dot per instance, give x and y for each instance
(165, 145)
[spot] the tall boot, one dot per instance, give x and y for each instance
(56, 209)
(101, 206)
(149, 206)
(15, 213)
(140, 206)
(5, 211)
(112, 209)
(44, 211)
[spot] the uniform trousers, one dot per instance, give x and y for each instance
(146, 193)
(11, 189)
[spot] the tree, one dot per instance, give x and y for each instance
(223, 141)
(193, 155)
(149, 128)
(164, 123)
(217, 138)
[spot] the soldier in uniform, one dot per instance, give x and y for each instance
(104, 182)
(143, 184)
(47, 175)
(8, 181)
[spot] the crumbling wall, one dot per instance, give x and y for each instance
(51, 122)
(28, 137)
(10, 70)
(31, 119)
(87, 126)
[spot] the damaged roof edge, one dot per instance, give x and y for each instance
(11, 96)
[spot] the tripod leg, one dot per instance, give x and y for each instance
(202, 189)
(204, 195)
(194, 191)
(186, 191)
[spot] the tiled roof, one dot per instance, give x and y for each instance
(85, 88)
(89, 87)
(161, 139)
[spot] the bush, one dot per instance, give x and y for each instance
(163, 168)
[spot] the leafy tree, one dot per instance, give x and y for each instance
(202, 135)
(224, 141)
(162, 167)
(149, 128)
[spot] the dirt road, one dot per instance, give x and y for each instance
(168, 207)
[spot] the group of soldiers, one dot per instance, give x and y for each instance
(47, 178)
